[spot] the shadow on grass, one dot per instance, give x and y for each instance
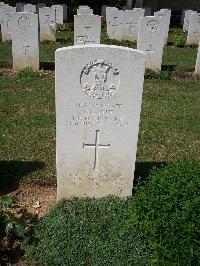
(12, 171)
(143, 169)
(47, 65)
(168, 67)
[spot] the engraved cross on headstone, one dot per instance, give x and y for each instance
(150, 51)
(25, 46)
(96, 146)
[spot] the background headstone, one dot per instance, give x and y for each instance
(84, 10)
(30, 8)
(193, 36)
(197, 66)
(164, 15)
(25, 46)
(6, 16)
(140, 11)
(98, 103)
(114, 19)
(147, 11)
(151, 41)
(59, 13)
(47, 21)
(186, 23)
(87, 29)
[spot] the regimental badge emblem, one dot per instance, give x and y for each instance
(100, 79)
(24, 23)
(198, 18)
(153, 26)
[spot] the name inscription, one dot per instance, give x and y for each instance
(97, 114)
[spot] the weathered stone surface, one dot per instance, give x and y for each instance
(87, 29)
(58, 13)
(6, 15)
(151, 41)
(98, 102)
(187, 16)
(164, 15)
(25, 46)
(47, 20)
(84, 10)
(30, 8)
(114, 19)
(193, 36)
(140, 11)
(197, 67)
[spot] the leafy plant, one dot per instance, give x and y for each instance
(168, 211)
(179, 41)
(160, 74)
(27, 73)
(87, 232)
(10, 225)
(105, 40)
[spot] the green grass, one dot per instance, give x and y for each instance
(169, 122)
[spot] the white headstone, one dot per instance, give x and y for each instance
(151, 41)
(186, 23)
(193, 36)
(140, 11)
(6, 15)
(165, 16)
(114, 19)
(84, 10)
(87, 29)
(20, 7)
(59, 13)
(47, 24)
(197, 67)
(30, 8)
(40, 5)
(25, 46)
(98, 103)
(131, 20)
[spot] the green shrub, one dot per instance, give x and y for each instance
(87, 232)
(105, 40)
(160, 74)
(179, 41)
(27, 73)
(10, 226)
(168, 211)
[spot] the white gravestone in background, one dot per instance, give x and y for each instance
(87, 29)
(131, 20)
(151, 41)
(6, 16)
(108, 9)
(141, 11)
(197, 67)
(114, 19)
(84, 10)
(59, 13)
(30, 8)
(47, 21)
(25, 46)
(186, 23)
(164, 15)
(98, 103)
(193, 36)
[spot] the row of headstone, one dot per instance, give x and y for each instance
(123, 24)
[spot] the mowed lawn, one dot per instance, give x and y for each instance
(169, 128)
